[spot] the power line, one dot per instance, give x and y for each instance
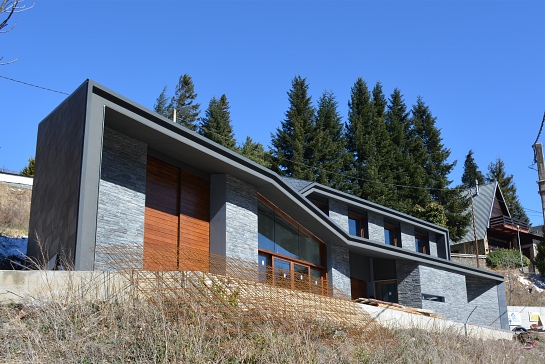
(29, 84)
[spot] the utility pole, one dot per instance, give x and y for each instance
(538, 150)
(474, 227)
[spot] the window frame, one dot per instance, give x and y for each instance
(362, 220)
(425, 249)
(397, 234)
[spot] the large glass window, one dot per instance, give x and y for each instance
(354, 226)
(279, 235)
(288, 255)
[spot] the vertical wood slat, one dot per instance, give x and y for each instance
(194, 229)
(177, 219)
(161, 216)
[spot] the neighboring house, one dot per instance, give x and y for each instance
(494, 227)
(16, 180)
(112, 173)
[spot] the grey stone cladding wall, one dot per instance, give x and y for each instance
(433, 245)
(338, 212)
(483, 294)
(121, 196)
(407, 237)
(447, 284)
(340, 269)
(375, 224)
(408, 283)
(241, 220)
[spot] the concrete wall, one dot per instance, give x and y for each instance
(340, 268)
(409, 290)
(451, 286)
(523, 312)
(375, 224)
(233, 218)
(407, 237)
(121, 197)
(338, 212)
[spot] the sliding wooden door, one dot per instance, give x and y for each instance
(177, 218)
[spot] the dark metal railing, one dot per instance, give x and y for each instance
(509, 221)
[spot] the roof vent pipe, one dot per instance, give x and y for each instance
(477, 187)
(174, 115)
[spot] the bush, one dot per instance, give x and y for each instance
(506, 258)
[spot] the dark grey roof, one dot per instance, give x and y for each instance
(295, 183)
(483, 203)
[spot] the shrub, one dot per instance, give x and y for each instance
(506, 258)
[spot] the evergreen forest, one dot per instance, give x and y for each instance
(384, 151)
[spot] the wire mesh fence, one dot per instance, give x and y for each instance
(232, 289)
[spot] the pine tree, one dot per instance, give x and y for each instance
(496, 172)
(187, 113)
(368, 144)
(331, 158)
(255, 152)
(471, 172)
(28, 171)
(407, 159)
(447, 206)
(216, 125)
(291, 151)
(161, 104)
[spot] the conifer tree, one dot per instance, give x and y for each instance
(368, 144)
(471, 172)
(216, 125)
(28, 171)
(446, 207)
(161, 104)
(331, 158)
(406, 164)
(292, 154)
(496, 172)
(255, 152)
(187, 113)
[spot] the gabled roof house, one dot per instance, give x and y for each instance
(110, 172)
(494, 227)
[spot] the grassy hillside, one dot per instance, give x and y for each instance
(73, 330)
(14, 210)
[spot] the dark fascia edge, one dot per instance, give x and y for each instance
(261, 171)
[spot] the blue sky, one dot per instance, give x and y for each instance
(479, 65)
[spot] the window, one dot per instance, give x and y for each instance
(357, 225)
(289, 256)
(431, 297)
(386, 291)
(391, 235)
(422, 244)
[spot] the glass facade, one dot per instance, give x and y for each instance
(278, 235)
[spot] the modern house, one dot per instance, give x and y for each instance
(494, 227)
(110, 172)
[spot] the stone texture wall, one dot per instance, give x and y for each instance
(408, 283)
(121, 196)
(340, 268)
(483, 294)
(407, 237)
(451, 286)
(433, 245)
(375, 224)
(241, 220)
(338, 212)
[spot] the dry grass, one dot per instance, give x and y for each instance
(67, 328)
(14, 210)
(518, 294)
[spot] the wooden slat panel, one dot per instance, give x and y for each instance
(194, 222)
(161, 218)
